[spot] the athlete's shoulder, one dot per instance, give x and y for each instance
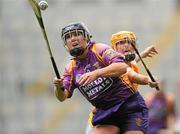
(100, 46)
(69, 67)
(134, 66)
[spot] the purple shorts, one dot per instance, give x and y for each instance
(132, 115)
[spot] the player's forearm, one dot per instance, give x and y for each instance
(142, 54)
(59, 93)
(137, 59)
(115, 69)
(138, 78)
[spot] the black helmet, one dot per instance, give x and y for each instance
(76, 26)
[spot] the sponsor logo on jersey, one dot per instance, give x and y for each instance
(96, 88)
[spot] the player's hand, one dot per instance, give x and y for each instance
(149, 52)
(59, 90)
(58, 82)
(87, 78)
(153, 84)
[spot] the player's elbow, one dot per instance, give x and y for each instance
(60, 96)
(60, 99)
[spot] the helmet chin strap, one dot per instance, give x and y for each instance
(77, 51)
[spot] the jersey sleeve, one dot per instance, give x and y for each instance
(68, 79)
(107, 54)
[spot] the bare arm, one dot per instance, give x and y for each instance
(141, 79)
(148, 52)
(114, 69)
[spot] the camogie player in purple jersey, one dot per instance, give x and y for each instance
(95, 71)
(120, 42)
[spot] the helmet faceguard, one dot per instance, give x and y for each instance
(78, 27)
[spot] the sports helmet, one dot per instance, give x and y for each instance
(76, 26)
(121, 36)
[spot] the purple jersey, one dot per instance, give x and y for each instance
(104, 92)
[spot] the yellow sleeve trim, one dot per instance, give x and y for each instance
(90, 119)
